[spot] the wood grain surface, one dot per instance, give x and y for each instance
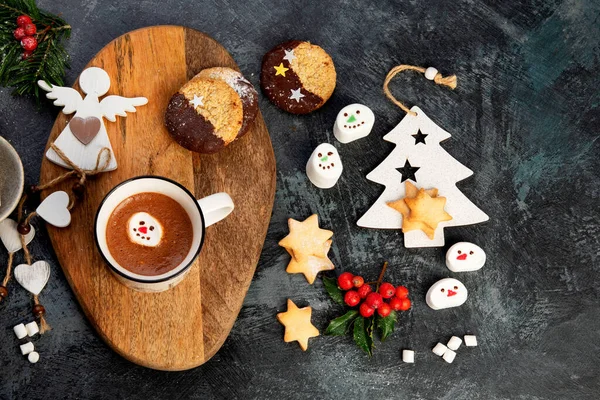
(185, 326)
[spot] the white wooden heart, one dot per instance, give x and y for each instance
(54, 209)
(10, 236)
(33, 277)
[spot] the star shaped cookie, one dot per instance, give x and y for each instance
(425, 214)
(306, 239)
(312, 266)
(428, 210)
(297, 324)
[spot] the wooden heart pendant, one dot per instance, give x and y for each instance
(85, 129)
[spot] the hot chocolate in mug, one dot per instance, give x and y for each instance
(150, 229)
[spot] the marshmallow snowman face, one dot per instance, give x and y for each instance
(465, 256)
(446, 293)
(353, 122)
(144, 229)
(324, 167)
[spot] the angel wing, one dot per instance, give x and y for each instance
(112, 106)
(66, 97)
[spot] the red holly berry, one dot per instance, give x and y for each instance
(26, 55)
(30, 29)
(364, 291)
(29, 43)
(358, 281)
(23, 20)
(351, 298)
(345, 281)
(387, 290)
(401, 292)
(395, 303)
(366, 310)
(19, 33)
(374, 300)
(405, 305)
(384, 310)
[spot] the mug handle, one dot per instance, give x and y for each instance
(215, 207)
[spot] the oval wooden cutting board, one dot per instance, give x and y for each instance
(185, 326)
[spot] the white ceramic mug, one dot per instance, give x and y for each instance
(202, 213)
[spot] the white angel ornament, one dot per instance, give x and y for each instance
(85, 135)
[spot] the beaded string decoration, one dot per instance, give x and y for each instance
(24, 219)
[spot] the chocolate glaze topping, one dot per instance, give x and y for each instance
(278, 88)
(190, 129)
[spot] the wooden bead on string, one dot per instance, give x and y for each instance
(3, 293)
(23, 228)
(39, 310)
(78, 190)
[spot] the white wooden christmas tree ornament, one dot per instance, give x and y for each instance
(85, 135)
(419, 158)
(10, 236)
(54, 209)
(33, 277)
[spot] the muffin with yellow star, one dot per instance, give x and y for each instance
(212, 110)
(298, 77)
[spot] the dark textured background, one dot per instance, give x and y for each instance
(524, 117)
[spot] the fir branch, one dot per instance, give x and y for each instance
(48, 61)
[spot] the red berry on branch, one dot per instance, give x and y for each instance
(395, 303)
(374, 300)
(401, 292)
(364, 291)
(358, 281)
(29, 43)
(26, 55)
(387, 290)
(345, 281)
(405, 305)
(19, 33)
(351, 298)
(384, 310)
(366, 310)
(30, 29)
(23, 20)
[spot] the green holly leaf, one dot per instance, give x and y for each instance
(386, 325)
(361, 334)
(334, 291)
(341, 325)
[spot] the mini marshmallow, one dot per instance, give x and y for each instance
(430, 73)
(33, 357)
(32, 328)
(324, 167)
(353, 122)
(449, 356)
(470, 340)
(454, 343)
(408, 356)
(439, 349)
(20, 331)
(27, 348)
(144, 229)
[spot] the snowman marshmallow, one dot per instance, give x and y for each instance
(446, 293)
(353, 122)
(324, 166)
(144, 229)
(465, 256)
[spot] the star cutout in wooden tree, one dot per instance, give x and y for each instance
(419, 137)
(408, 171)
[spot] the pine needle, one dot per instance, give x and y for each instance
(48, 61)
